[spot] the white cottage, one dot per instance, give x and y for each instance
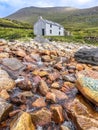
(48, 28)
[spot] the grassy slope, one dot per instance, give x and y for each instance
(12, 29)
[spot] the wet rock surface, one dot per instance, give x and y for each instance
(87, 83)
(85, 55)
(39, 81)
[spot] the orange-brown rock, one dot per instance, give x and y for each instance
(41, 117)
(82, 114)
(5, 81)
(40, 73)
(87, 83)
(22, 122)
(40, 102)
(59, 94)
(58, 66)
(43, 87)
(51, 97)
(53, 76)
(57, 113)
(46, 58)
(4, 94)
(4, 55)
(79, 67)
(55, 85)
(20, 53)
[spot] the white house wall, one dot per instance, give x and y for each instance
(55, 30)
(38, 26)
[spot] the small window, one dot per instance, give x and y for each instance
(50, 25)
(50, 31)
(59, 33)
(59, 28)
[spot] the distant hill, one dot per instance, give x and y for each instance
(7, 23)
(67, 16)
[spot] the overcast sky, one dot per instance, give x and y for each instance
(9, 6)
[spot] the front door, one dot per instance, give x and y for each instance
(43, 32)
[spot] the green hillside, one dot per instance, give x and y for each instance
(67, 16)
(12, 29)
(14, 24)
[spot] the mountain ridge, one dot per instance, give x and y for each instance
(63, 15)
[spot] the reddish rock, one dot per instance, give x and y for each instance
(51, 97)
(43, 87)
(20, 53)
(40, 102)
(57, 113)
(59, 95)
(46, 58)
(79, 67)
(28, 58)
(58, 66)
(53, 76)
(41, 117)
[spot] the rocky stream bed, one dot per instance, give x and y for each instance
(43, 87)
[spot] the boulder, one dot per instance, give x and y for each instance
(5, 108)
(5, 81)
(86, 55)
(22, 122)
(87, 84)
(82, 114)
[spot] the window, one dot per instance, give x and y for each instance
(50, 25)
(50, 31)
(59, 28)
(59, 33)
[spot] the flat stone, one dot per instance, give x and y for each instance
(12, 63)
(82, 114)
(13, 66)
(89, 56)
(5, 81)
(87, 83)
(22, 122)
(5, 108)
(41, 117)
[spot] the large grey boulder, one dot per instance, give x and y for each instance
(89, 56)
